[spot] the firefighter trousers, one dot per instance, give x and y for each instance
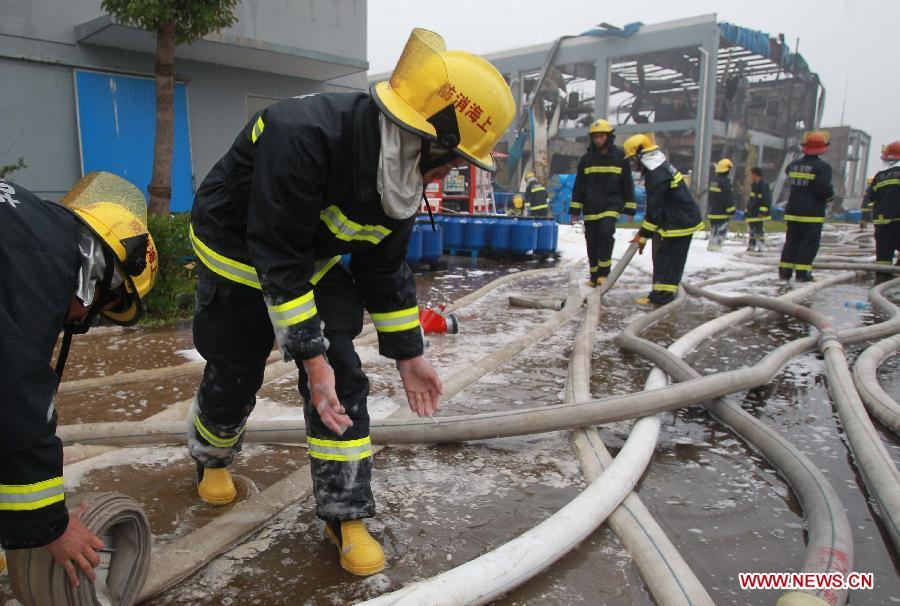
(599, 235)
(718, 231)
(757, 235)
(669, 257)
(887, 240)
(232, 331)
(801, 244)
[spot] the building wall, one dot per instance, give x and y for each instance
(38, 56)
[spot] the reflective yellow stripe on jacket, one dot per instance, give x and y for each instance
(804, 219)
(676, 179)
(685, 231)
(348, 230)
(665, 287)
(27, 497)
(243, 273)
(396, 321)
(613, 170)
(603, 215)
(340, 450)
(804, 176)
(294, 311)
(884, 183)
(257, 130)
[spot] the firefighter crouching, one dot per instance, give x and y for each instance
(60, 266)
(307, 180)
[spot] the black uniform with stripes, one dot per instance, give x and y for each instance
(672, 218)
(885, 203)
(296, 190)
(602, 191)
(536, 199)
(39, 264)
(721, 208)
(758, 209)
(811, 191)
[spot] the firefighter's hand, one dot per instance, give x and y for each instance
(422, 385)
(77, 546)
(641, 242)
(323, 396)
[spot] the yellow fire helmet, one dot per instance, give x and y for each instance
(116, 211)
(518, 201)
(454, 98)
(637, 145)
(724, 165)
(530, 175)
(601, 126)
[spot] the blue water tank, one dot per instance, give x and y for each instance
(432, 244)
(454, 228)
(523, 237)
(778, 214)
(544, 244)
(475, 237)
(854, 216)
(414, 251)
(738, 216)
(555, 244)
(500, 234)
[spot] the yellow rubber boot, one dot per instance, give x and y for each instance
(601, 280)
(591, 283)
(217, 487)
(642, 300)
(360, 553)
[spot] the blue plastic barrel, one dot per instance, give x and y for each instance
(778, 214)
(500, 234)
(474, 235)
(544, 244)
(738, 216)
(414, 251)
(432, 244)
(555, 243)
(454, 228)
(854, 216)
(523, 236)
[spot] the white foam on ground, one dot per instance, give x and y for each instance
(191, 355)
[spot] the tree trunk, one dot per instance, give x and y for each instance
(161, 182)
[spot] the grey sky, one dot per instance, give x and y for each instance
(837, 37)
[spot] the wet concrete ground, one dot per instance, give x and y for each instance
(725, 508)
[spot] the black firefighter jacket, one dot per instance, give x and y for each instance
(671, 210)
(603, 185)
(760, 203)
(721, 198)
(296, 190)
(811, 190)
(885, 196)
(39, 266)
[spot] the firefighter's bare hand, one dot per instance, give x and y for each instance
(422, 385)
(323, 395)
(77, 546)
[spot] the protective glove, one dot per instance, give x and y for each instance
(641, 242)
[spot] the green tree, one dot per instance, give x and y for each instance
(174, 22)
(11, 168)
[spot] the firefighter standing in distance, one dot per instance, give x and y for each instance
(60, 266)
(811, 191)
(536, 202)
(758, 211)
(603, 190)
(671, 219)
(307, 180)
(721, 204)
(885, 205)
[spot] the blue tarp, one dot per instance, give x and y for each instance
(763, 44)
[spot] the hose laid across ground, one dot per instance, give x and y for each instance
(830, 545)
(666, 574)
(865, 373)
(873, 460)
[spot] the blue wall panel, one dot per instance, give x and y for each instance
(117, 122)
